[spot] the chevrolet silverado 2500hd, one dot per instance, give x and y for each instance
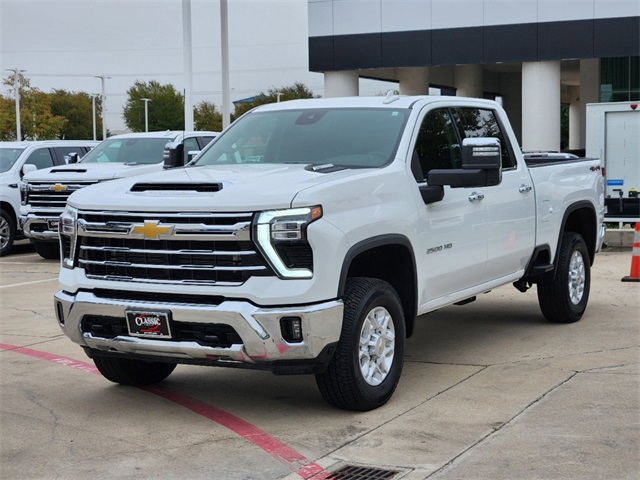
(309, 236)
(44, 192)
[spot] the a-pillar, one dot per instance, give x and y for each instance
(541, 106)
(413, 81)
(468, 81)
(341, 84)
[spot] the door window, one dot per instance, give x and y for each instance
(41, 158)
(438, 145)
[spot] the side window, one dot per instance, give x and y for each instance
(190, 145)
(41, 158)
(204, 141)
(479, 122)
(437, 146)
(63, 152)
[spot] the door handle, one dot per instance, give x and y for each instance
(525, 188)
(476, 197)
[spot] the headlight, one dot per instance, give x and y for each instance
(282, 237)
(23, 192)
(68, 236)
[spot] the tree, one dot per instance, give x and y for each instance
(206, 116)
(165, 108)
(77, 108)
(37, 122)
(295, 91)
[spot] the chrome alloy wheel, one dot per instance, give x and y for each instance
(377, 346)
(577, 277)
(5, 232)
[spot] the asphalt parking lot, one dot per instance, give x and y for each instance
(490, 390)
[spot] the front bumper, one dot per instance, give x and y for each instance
(39, 227)
(258, 327)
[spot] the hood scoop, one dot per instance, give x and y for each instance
(68, 170)
(177, 187)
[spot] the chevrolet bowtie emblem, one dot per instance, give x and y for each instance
(58, 187)
(151, 230)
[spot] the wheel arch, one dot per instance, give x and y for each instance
(6, 206)
(581, 218)
(389, 258)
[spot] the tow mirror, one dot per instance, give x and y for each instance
(191, 154)
(481, 166)
(72, 157)
(173, 155)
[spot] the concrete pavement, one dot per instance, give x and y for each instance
(490, 390)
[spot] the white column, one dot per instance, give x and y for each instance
(341, 84)
(541, 106)
(468, 81)
(413, 81)
(589, 92)
(574, 119)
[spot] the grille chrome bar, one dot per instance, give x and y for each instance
(211, 268)
(170, 252)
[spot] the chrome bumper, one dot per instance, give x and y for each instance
(29, 223)
(258, 327)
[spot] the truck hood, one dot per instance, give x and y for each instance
(88, 172)
(240, 188)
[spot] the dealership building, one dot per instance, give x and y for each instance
(531, 55)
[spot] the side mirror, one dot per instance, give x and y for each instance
(28, 168)
(72, 157)
(481, 166)
(173, 155)
(191, 154)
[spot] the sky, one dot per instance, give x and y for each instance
(65, 44)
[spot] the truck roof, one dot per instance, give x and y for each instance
(168, 134)
(389, 101)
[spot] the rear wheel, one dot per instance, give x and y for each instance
(563, 295)
(366, 367)
(48, 250)
(132, 372)
(7, 232)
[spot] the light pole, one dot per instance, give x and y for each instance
(187, 65)
(93, 114)
(16, 87)
(224, 44)
(146, 113)
(103, 97)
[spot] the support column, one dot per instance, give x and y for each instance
(575, 137)
(341, 84)
(468, 81)
(589, 92)
(541, 106)
(413, 81)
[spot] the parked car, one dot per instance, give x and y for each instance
(45, 192)
(13, 157)
(310, 235)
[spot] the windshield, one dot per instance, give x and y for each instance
(128, 150)
(353, 137)
(8, 157)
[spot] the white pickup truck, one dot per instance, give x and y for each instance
(44, 192)
(309, 236)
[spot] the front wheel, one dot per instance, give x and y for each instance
(132, 372)
(563, 295)
(366, 367)
(7, 232)
(47, 250)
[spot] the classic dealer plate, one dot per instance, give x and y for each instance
(53, 225)
(149, 324)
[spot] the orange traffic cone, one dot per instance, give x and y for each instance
(634, 275)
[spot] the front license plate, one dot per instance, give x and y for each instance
(148, 324)
(53, 225)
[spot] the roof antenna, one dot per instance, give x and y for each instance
(391, 97)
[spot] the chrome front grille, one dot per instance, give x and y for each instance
(200, 249)
(52, 194)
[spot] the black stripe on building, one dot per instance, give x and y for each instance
(528, 42)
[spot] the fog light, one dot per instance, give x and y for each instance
(291, 328)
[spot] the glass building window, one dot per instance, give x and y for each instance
(619, 79)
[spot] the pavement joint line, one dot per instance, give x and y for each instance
(27, 283)
(17, 263)
(504, 424)
(567, 355)
(295, 461)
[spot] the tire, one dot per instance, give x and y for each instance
(7, 232)
(563, 295)
(47, 250)
(349, 384)
(132, 372)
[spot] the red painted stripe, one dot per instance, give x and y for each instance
(297, 462)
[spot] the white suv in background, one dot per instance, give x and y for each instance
(13, 157)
